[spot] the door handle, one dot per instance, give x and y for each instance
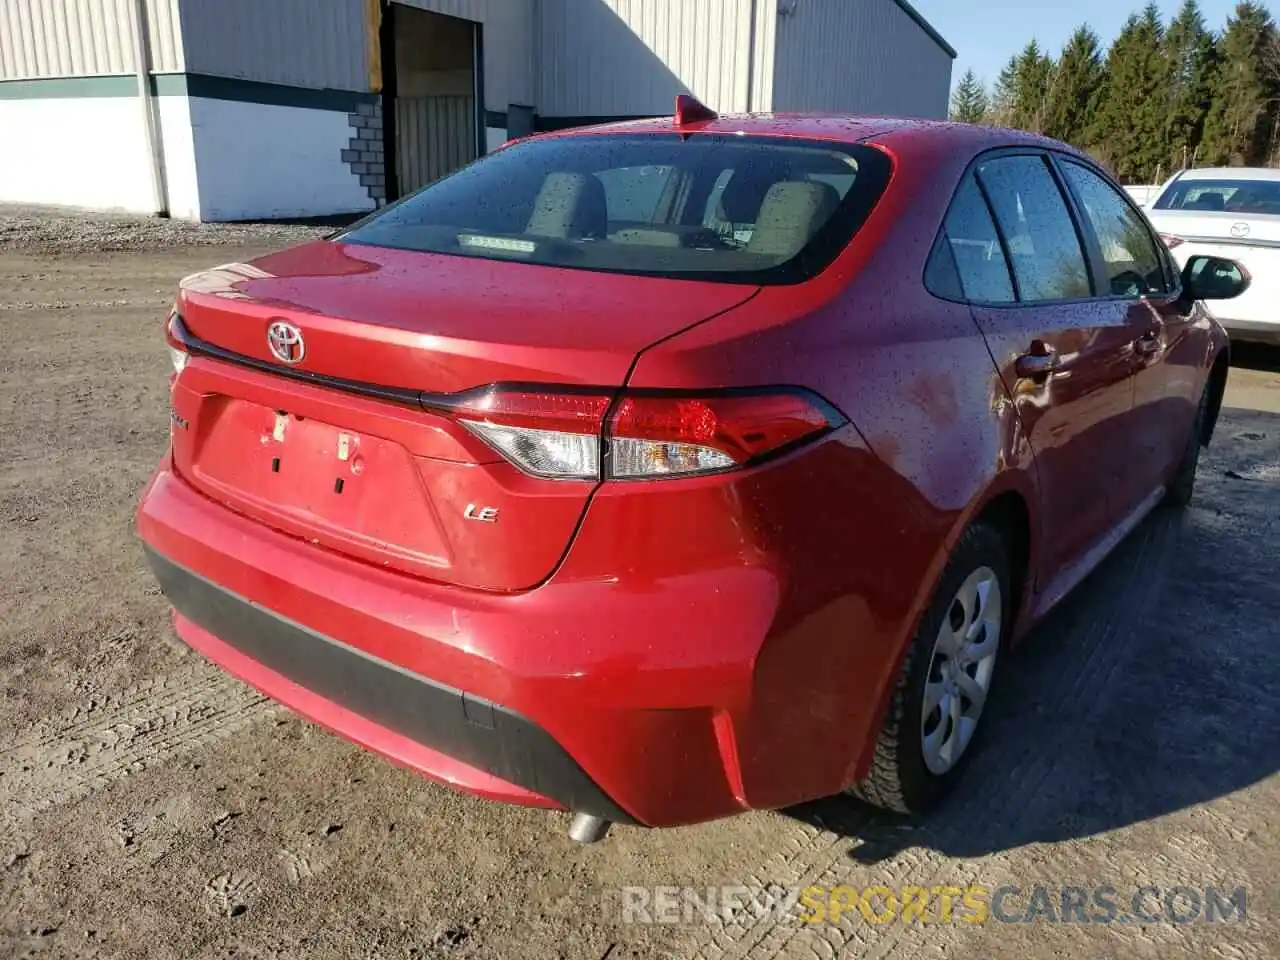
(1037, 366)
(1147, 344)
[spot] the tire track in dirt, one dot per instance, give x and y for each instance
(1012, 774)
(32, 305)
(107, 738)
(194, 680)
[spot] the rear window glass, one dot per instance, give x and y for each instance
(736, 209)
(1229, 196)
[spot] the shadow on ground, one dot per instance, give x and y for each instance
(1149, 690)
(336, 221)
(1256, 356)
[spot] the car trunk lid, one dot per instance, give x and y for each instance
(353, 446)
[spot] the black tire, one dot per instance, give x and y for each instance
(899, 779)
(1183, 486)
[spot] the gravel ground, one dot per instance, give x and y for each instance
(52, 231)
(152, 807)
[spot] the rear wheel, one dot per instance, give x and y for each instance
(928, 733)
(1183, 485)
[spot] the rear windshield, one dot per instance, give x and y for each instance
(735, 209)
(1230, 196)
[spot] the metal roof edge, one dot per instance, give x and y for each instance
(927, 27)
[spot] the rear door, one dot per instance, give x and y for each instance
(1169, 352)
(1065, 357)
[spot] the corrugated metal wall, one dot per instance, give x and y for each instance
(302, 43)
(508, 44)
(586, 58)
(83, 38)
(859, 56)
(434, 136)
(766, 42)
(631, 57)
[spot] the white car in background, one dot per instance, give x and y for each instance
(1231, 212)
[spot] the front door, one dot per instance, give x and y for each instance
(1168, 354)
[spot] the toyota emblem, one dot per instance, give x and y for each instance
(286, 343)
(1240, 230)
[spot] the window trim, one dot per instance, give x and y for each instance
(1001, 237)
(1090, 247)
(1172, 277)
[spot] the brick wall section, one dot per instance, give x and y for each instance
(363, 153)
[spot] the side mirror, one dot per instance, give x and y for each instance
(1214, 278)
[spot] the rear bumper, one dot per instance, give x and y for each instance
(685, 662)
(462, 740)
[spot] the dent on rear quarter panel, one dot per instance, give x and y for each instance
(914, 375)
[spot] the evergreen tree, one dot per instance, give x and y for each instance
(1237, 129)
(1074, 91)
(1191, 61)
(1163, 99)
(1033, 71)
(969, 104)
(1271, 70)
(1001, 106)
(1130, 125)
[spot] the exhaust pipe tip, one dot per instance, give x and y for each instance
(587, 828)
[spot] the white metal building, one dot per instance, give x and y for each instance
(243, 109)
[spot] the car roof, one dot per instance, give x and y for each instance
(1231, 173)
(842, 128)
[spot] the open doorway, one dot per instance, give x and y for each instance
(436, 95)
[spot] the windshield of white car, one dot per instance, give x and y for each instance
(1240, 197)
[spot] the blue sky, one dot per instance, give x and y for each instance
(986, 33)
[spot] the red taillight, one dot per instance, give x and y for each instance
(650, 434)
(1171, 241)
(657, 435)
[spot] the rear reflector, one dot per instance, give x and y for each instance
(543, 453)
(1171, 241)
(649, 435)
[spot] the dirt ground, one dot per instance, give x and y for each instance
(151, 807)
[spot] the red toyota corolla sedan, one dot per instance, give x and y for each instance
(665, 470)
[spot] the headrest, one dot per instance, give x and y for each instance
(1207, 201)
(569, 205)
(791, 214)
(745, 192)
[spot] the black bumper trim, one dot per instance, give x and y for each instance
(479, 733)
